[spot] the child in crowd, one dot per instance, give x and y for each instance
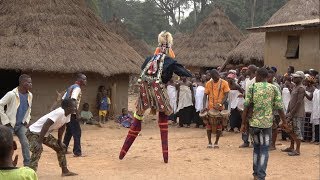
(85, 115)
(125, 119)
(105, 104)
(8, 169)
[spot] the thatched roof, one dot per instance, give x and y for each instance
(209, 44)
(251, 50)
(139, 45)
(60, 36)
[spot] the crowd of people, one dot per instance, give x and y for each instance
(256, 102)
(187, 97)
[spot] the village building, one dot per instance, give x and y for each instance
(53, 40)
(209, 44)
(292, 44)
(251, 50)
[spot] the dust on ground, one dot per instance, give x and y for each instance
(188, 156)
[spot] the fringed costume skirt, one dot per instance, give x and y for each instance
(154, 96)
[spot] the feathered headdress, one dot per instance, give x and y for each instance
(165, 38)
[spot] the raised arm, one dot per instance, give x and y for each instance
(181, 71)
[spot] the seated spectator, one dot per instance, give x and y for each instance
(86, 116)
(8, 169)
(125, 119)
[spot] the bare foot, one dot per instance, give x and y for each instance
(69, 173)
(81, 155)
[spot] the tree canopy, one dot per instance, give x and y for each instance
(147, 18)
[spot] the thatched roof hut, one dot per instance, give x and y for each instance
(209, 44)
(139, 45)
(50, 39)
(60, 36)
(251, 50)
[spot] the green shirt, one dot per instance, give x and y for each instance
(86, 115)
(266, 98)
(23, 173)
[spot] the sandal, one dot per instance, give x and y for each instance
(287, 150)
(293, 153)
(209, 146)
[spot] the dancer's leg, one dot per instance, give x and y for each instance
(163, 125)
(135, 129)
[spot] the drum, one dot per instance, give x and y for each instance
(214, 113)
(203, 114)
(225, 114)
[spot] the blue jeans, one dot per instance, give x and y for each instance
(261, 141)
(20, 132)
(246, 136)
(73, 130)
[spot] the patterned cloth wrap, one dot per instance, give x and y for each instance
(153, 93)
(214, 123)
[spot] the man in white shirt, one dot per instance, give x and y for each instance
(251, 72)
(40, 133)
(17, 115)
(73, 127)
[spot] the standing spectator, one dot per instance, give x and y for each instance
(251, 79)
(73, 127)
(264, 100)
(290, 71)
(217, 90)
(172, 93)
(286, 92)
(198, 76)
(99, 96)
(315, 117)
(104, 107)
(242, 77)
(199, 101)
(208, 75)
(234, 94)
(185, 102)
(17, 115)
(277, 76)
(40, 133)
(8, 169)
(296, 113)
(308, 106)
(286, 96)
(276, 118)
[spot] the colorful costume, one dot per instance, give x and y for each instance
(156, 72)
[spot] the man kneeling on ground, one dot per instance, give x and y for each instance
(39, 133)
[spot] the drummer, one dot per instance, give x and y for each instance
(217, 90)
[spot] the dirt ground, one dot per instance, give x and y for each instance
(188, 156)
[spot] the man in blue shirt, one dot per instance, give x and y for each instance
(17, 115)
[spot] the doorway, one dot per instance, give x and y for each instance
(9, 79)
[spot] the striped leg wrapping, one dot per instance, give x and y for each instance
(163, 125)
(132, 134)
